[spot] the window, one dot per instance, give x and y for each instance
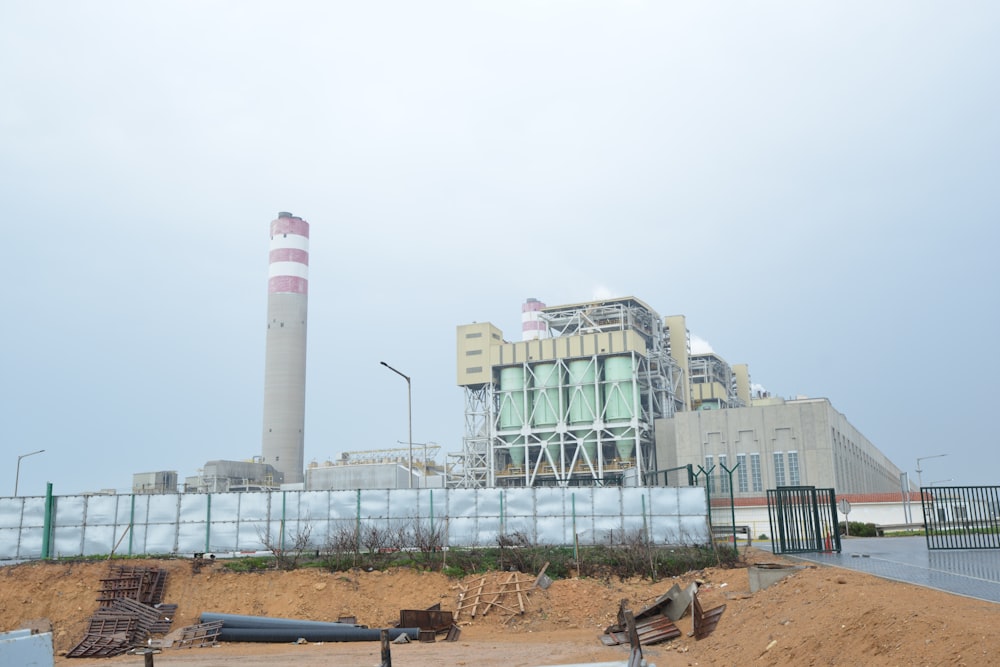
(793, 468)
(779, 468)
(474, 334)
(709, 464)
(755, 472)
(741, 472)
(723, 475)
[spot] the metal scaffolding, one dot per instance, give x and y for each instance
(568, 420)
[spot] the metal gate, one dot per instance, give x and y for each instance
(803, 520)
(961, 517)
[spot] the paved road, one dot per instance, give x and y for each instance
(973, 573)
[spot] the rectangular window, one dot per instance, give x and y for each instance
(472, 353)
(758, 485)
(793, 468)
(779, 468)
(474, 369)
(741, 473)
(723, 475)
(709, 464)
(475, 334)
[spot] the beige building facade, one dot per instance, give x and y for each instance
(774, 442)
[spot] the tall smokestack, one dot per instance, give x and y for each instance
(285, 356)
(533, 326)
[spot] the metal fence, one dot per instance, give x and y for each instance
(961, 517)
(245, 522)
(803, 519)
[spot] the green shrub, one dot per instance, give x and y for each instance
(249, 564)
(859, 529)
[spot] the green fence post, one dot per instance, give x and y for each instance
(47, 530)
(284, 500)
(208, 524)
(131, 525)
(576, 545)
(357, 526)
(732, 501)
(503, 523)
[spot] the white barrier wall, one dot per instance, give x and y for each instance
(24, 649)
(239, 522)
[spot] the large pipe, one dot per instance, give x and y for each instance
(348, 633)
(239, 628)
(244, 622)
(285, 356)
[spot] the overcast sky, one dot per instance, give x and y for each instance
(814, 185)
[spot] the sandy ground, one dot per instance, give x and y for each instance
(816, 616)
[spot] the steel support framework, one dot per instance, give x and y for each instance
(557, 454)
(566, 450)
(474, 470)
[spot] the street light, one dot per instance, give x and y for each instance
(409, 412)
(17, 475)
(924, 458)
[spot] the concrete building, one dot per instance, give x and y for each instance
(802, 442)
(608, 393)
(163, 481)
(283, 443)
(378, 469)
(225, 476)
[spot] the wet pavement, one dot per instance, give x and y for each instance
(973, 573)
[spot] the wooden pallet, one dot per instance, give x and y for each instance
(500, 590)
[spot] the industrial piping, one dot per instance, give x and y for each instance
(237, 628)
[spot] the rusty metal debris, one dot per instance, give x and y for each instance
(144, 584)
(431, 622)
(201, 634)
(130, 612)
(654, 623)
(704, 622)
(652, 628)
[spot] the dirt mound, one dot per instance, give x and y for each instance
(817, 616)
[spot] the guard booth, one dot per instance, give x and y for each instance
(961, 517)
(803, 520)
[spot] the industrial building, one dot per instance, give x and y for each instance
(163, 481)
(608, 393)
(225, 476)
(378, 469)
(798, 442)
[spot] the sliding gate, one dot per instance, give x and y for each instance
(961, 517)
(803, 520)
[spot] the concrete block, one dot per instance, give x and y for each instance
(763, 575)
(24, 649)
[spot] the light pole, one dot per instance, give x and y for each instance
(17, 475)
(924, 458)
(409, 413)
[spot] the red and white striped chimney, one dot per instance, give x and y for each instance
(285, 359)
(533, 326)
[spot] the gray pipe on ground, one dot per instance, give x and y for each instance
(239, 621)
(346, 633)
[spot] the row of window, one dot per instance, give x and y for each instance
(748, 479)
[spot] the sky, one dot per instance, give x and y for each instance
(814, 185)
